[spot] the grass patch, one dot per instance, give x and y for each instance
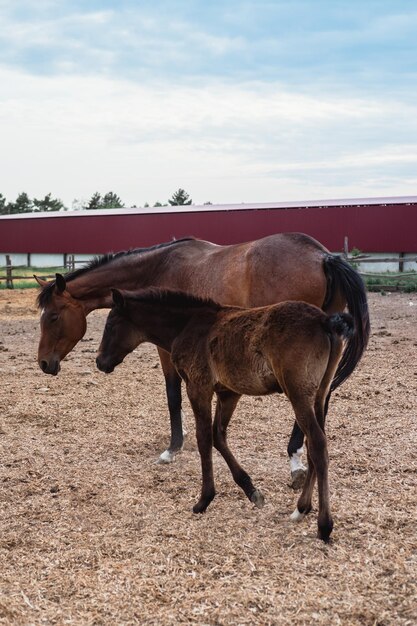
(28, 282)
(389, 282)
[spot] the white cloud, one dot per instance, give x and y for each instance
(226, 143)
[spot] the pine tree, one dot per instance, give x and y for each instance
(94, 202)
(3, 208)
(111, 201)
(23, 204)
(47, 204)
(180, 198)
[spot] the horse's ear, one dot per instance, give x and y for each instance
(40, 281)
(60, 283)
(118, 298)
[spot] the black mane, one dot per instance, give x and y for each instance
(169, 297)
(98, 261)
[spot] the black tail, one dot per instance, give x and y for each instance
(341, 277)
(342, 324)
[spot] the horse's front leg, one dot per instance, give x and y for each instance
(226, 404)
(173, 391)
(201, 404)
(295, 451)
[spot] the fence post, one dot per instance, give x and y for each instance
(346, 246)
(401, 262)
(70, 262)
(9, 276)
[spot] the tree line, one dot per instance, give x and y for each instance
(110, 200)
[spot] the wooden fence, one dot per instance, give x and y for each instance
(9, 271)
(9, 276)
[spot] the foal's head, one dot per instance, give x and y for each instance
(120, 335)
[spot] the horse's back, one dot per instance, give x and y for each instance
(285, 266)
(251, 350)
(298, 345)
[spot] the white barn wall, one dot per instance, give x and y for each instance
(410, 265)
(383, 267)
(47, 260)
(16, 259)
(36, 260)
(43, 260)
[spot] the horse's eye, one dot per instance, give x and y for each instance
(54, 317)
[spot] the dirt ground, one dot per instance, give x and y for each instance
(92, 531)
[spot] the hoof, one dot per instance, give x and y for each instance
(325, 531)
(296, 516)
(166, 457)
(202, 504)
(199, 508)
(297, 479)
(257, 499)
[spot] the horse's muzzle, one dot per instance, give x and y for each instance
(104, 366)
(50, 367)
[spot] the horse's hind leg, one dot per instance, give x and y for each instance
(304, 501)
(295, 451)
(226, 404)
(173, 391)
(295, 445)
(319, 459)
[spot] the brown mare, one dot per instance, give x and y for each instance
(291, 347)
(288, 266)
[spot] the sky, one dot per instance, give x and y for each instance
(233, 101)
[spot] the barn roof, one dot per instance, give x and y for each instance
(382, 201)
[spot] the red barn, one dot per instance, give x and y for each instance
(387, 225)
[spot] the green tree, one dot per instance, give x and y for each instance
(23, 204)
(180, 197)
(3, 208)
(94, 202)
(47, 204)
(111, 201)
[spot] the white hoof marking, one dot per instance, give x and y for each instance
(257, 499)
(296, 516)
(184, 430)
(166, 457)
(295, 461)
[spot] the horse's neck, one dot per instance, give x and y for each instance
(163, 324)
(93, 289)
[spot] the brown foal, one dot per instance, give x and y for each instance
(291, 347)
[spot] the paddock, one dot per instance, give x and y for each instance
(94, 532)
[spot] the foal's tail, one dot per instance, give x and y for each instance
(342, 324)
(344, 280)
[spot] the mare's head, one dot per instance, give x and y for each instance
(121, 336)
(63, 324)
